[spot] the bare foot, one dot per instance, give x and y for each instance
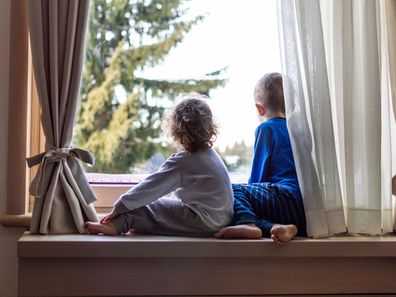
(246, 231)
(281, 234)
(105, 229)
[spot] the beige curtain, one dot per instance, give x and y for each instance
(63, 196)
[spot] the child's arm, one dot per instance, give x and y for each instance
(164, 181)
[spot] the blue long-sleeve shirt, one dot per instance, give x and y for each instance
(273, 158)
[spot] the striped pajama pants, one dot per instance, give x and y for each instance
(267, 204)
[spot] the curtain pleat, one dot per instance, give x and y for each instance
(336, 89)
(63, 197)
(308, 112)
(390, 16)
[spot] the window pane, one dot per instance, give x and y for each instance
(142, 56)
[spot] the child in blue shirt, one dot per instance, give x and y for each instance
(270, 205)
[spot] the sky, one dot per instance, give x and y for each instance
(240, 35)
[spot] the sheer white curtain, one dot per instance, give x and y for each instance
(388, 23)
(337, 91)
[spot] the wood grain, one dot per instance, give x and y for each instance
(36, 138)
(87, 265)
(16, 173)
(204, 276)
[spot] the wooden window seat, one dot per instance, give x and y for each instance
(87, 265)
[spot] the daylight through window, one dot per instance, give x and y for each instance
(144, 55)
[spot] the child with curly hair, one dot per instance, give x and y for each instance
(203, 198)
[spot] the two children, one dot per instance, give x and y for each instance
(270, 205)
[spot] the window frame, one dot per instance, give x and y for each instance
(17, 109)
(25, 134)
(35, 134)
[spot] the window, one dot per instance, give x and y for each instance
(216, 56)
(141, 56)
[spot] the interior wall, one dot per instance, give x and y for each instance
(8, 236)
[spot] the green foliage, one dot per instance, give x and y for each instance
(124, 38)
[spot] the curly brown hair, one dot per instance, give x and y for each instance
(191, 124)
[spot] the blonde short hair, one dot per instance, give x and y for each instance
(269, 92)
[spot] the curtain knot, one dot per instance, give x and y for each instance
(58, 154)
(40, 183)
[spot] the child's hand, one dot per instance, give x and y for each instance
(107, 219)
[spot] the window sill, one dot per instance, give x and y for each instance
(16, 221)
(153, 246)
(88, 265)
(108, 187)
(23, 221)
(107, 194)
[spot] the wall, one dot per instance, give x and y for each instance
(8, 237)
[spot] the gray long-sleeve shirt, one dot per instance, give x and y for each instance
(200, 180)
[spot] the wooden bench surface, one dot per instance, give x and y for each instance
(87, 265)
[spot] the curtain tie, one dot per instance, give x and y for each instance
(39, 184)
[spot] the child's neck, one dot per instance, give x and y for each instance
(270, 115)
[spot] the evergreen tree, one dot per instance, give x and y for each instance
(242, 150)
(124, 38)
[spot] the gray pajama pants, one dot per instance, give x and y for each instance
(165, 216)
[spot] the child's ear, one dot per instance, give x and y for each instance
(260, 108)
